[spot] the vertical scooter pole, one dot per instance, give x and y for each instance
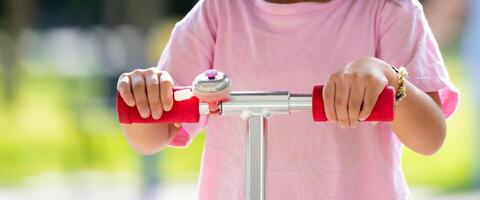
(256, 157)
(256, 108)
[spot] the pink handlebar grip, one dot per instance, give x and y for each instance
(186, 111)
(382, 111)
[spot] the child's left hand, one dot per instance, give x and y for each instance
(350, 94)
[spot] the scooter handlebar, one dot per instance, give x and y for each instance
(382, 111)
(187, 111)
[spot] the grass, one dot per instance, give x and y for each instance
(46, 129)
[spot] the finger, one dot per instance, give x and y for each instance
(355, 103)
(139, 91)
(166, 88)
(369, 100)
(153, 93)
(125, 89)
(329, 99)
(342, 91)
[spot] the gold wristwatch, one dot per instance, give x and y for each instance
(402, 75)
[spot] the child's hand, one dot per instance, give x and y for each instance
(351, 93)
(149, 89)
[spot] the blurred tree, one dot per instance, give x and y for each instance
(17, 17)
(179, 7)
(143, 13)
(57, 13)
(2, 15)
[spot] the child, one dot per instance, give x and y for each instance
(348, 45)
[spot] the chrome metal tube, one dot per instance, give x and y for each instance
(300, 103)
(274, 102)
(256, 157)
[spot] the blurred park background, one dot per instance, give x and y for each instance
(59, 138)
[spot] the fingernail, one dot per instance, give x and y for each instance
(167, 107)
(144, 113)
(155, 115)
(343, 126)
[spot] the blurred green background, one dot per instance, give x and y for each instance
(59, 64)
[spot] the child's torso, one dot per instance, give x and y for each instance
(293, 52)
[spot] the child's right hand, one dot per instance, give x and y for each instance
(148, 89)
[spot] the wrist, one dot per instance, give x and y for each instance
(392, 77)
(399, 82)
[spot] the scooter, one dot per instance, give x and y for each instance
(211, 93)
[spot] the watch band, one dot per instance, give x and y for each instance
(402, 75)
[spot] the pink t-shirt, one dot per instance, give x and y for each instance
(267, 46)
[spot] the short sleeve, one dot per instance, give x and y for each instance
(189, 52)
(405, 39)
